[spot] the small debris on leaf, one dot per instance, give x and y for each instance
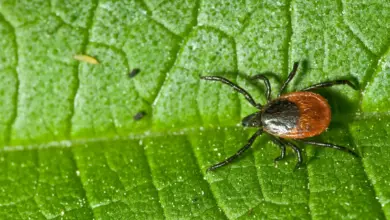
(134, 72)
(139, 115)
(85, 58)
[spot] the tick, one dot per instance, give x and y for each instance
(291, 116)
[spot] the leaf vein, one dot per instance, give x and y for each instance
(153, 183)
(350, 30)
(375, 67)
(361, 162)
(177, 50)
(76, 67)
(149, 15)
(176, 53)
(192, 151)
(287, 43)
(84, 192)
(15, 98)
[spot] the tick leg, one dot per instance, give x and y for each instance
(235, 87)
(267, 85)
(289, 78)
(239, 152)
(336, 147)
(297, 151)
(282, 148)
(329, 84)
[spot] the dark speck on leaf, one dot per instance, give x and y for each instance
(195, 200)
(139, 115)
(134, 72)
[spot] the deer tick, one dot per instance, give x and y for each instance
(292, 116)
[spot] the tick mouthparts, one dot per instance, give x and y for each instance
(252, 120)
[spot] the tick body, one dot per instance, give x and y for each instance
(291, 117)
(296, 115)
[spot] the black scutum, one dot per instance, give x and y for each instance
(280, 116)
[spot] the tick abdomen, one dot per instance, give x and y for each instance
(297, 115)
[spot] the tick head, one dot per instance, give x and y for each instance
(252, 120)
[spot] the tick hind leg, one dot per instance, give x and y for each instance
(282, 146)
(235, 87)
(238, 153)
(336, 147)
(330, 84)
(297, 152)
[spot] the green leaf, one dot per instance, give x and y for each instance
(70, 148)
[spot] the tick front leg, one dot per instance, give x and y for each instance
(289, 77)
(247, 96)
(267, 85)
(239, 152)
